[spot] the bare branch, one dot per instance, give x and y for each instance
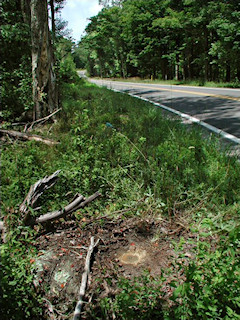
(73, 206)
(77, 312)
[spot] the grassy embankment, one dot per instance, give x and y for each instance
(197, 83)
(127, 150)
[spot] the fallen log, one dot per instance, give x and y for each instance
(78, 309)
(27, 136)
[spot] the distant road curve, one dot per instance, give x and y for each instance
(218, 108)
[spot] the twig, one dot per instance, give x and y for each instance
(134, 145)
(50, 309)
(18, 124)
(1, 225)
(118, 212)
(77, 253)
(77, 312)
(42, 120)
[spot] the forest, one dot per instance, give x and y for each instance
(167, 39)
(111, 208)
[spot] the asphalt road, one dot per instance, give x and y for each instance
(218, 107)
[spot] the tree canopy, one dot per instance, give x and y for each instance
(166, 39)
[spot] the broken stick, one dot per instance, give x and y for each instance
(78, 309)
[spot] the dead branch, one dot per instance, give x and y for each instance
(36, 190)
(27, 136)
(77, 312)
(71, 207)
(42, 120)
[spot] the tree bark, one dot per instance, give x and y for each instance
(53, 20)
(43, 76)
(228, 72)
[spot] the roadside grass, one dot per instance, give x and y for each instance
(195, 83)
(128, 150)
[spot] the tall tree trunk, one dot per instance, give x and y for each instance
(177, 67)
(53, 20)
(228, 72)
(44, 81)
(25, 8)
(206, 58)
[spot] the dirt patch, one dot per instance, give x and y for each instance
(127, 247)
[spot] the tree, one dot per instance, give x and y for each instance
(189, 39)
(43, 75)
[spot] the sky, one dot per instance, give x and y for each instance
(77, 12)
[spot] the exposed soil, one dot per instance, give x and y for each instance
(127, 247)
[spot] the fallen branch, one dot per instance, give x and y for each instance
(71, 207)
(77, 312)
(41, 120)
(27, 136)
(36, 190)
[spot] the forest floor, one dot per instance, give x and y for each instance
(127, 248)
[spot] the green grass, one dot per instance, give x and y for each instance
(128, 150)
(197, 82)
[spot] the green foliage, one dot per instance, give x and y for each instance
(183, 39)
(66, 66)
(19, 299)
(16, 91)
(67, 70)
(141, 298)
(211, 289)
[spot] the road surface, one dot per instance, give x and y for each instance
(218, 107)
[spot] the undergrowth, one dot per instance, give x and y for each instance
(129, 151)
